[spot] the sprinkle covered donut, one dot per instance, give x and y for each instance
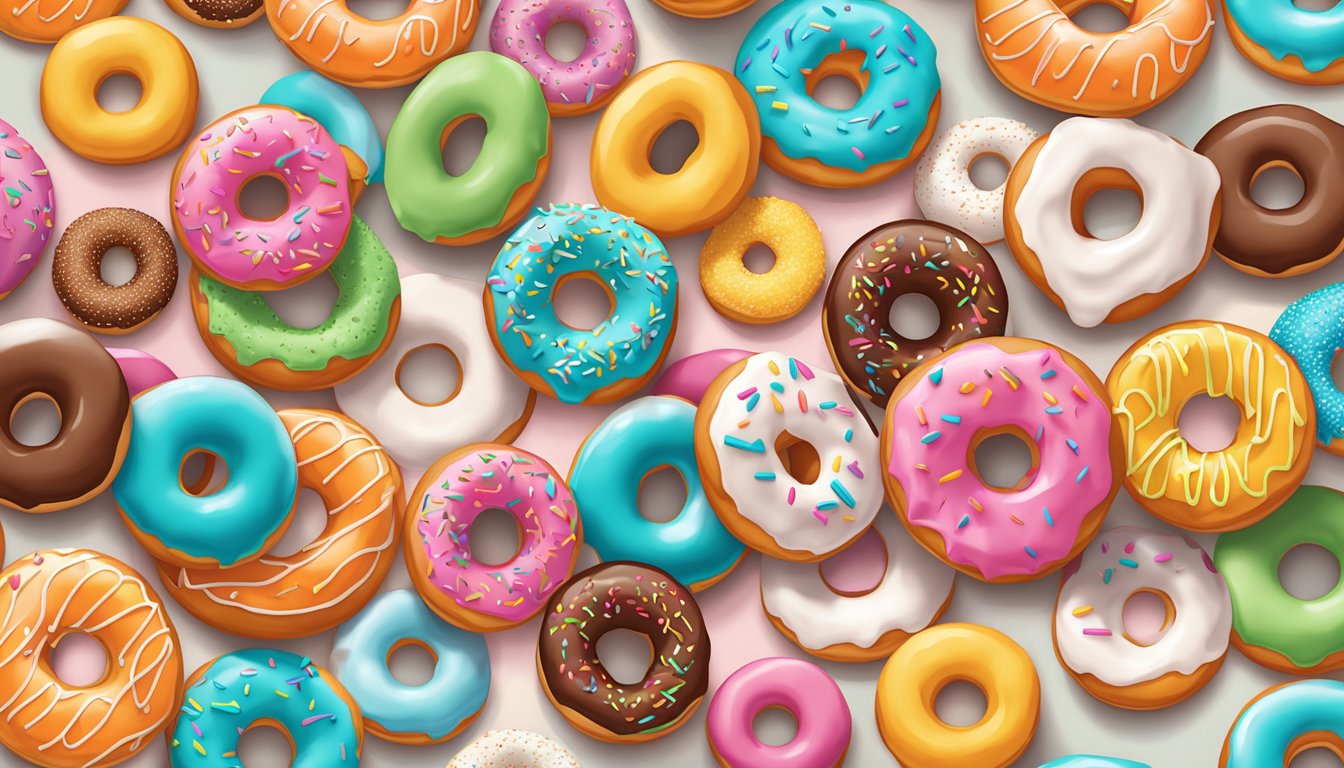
(802, 689)
(943, 187)
(1311, 332)
(219, 14)
(336, 107)
(1285, 721)
(76, 270)
(511, 748)
(29, 211)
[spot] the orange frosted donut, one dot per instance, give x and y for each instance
(46, 21)
(704, 9)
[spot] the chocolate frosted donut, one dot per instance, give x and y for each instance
(218, 13)
(944, 264)
(41, 358)
(76, 269)
(1297, 239)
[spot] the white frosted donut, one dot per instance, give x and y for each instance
(510, 748)
(943, 187)
(490, 405)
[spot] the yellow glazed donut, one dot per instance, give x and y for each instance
(778, 294)
(704, 9)
(46, 21)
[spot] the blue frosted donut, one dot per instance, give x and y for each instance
(411, 714)
(337, 109)
(1315, 38)
(615, 358)
(1312, 331)
(1275, 720)
(638, 438)
(1092, 761)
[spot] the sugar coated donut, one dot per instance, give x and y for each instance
(140, 369)
(1219, 490)
(1115, 280)
(802, 689)
(1089, 632)
(489, 404)
(1310, 331)
(434, 711)
(47, 21)
(1302, 44)
(943, 187)
(29, 212)
(636, 440)
(219, 14)
(713, 181)
(921, 257)
(704, 9)
(786, 458)
(44, 359)
(510, 748)
(336, 107)
(689, 377)
(1285, 721)
(638, 598)
(585, 83)
(618, 356)
(1093, 761)
(785, 289)
(832, 624)
(77, 277)
(915, 674)
(1107, 74)
(1040, 394)
(51, 594)
(884, 52)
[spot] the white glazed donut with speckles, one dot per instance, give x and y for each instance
(510, 748)
(943, 187)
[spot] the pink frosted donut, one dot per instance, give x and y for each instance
(689, 377)
(141, 370)
(801, 688)
(28, 211)
(570, 87)
(237, 148)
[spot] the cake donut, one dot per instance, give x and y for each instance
(943, 187)
(704, 9)
(1268, 457)
(591, 366)
(1310, 331)
(638, 598)
(1301, 44)
(337, 108)
(77, 277)
(786, 458)
(922, 257)
(28, 215)
(511, 748)
(793, 279)
(1115, 280)
(141, 370)
(451, 495)
(1283, 722)
(1093, 761)
(802, 689)
(1040, 394)
(47, 21)
(219, 14)
(1089, 632)
(890, 59)
(689, 378)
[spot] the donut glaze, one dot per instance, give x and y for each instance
(76, 269)
(219, 14)
(689, 377)
(804, 690)
(510, 748)
(1305, 45)
(1093, 761)
(47, 21)
(943, 187)
(1285, 721)
(1311, 332)
(141, 370)
(333, 105)
(29, 212)
(788, 286)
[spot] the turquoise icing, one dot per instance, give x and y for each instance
(583, 240)
(461, 674)
(240, 688)
(639, 437)
(1283, 29)
(1311, 330)
(337, 108)
(1265, 729)
(228, 419)
(890, 115)
(1092, 761)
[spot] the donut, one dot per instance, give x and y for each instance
(1222, 490)
(487, 199)
(946, 265)
(122, 45)
(1301, 44)
(636, 440)
(1040, 394)
(914, 591)
(489, 404)
(337, 108)
(247, 515)
(1283, 722)
(566, 242)
(704, 9)
(451, 494)
(244, 333)
(792, 236)
(943, 187)
(51, 594)
(432, 712)
(1309, 330)
(219, 14)
(786, 458)
(1278, 243)
(689, 378)
(890, 59)
(802, 689)
(1104, 74)
(1093, 761)
(44, 359)
(713, 181)
(76, 270)
(1115, 280)
(510, 748)
(589, 80)
(29, 212)
(638, 598)
(1089, 632)
(915, 674)
(47, 21)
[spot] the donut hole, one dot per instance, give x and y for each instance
(565, 41)
(1308, 572)
(838, 81)
(627, 655)
(265, 745)
(120, 92)
(306, 523)
(758, 259)
(988, 171)
(662, 495)
(411, 662)
(1277, 186)
(461, 144)
(775, 726)
(1107, 204)
(1322, 752)
(960, 704)
(1209, 424)
(1146, 616)
(494, 538)
(582, 301)
(799, 457)
(1099, 16)
(1004, 459)
(203, 473)
(263, 198)
(858, 569)
(430, 375)
(914, 316)
(79, 660)
(673, 146)
(117, 266)
(35, 421)
(377, 10)
(306, 305)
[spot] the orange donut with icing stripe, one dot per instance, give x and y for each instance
(46, 21)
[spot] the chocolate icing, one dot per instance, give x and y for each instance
(76, 269)
(223, 10)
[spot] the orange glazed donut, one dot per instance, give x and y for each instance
(704, 9)
(46, 21)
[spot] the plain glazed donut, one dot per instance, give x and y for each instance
(76, 270)
(944, 190)
(219, 14)
(788, 286)
(704, 9)
(29, 213)
(689, 378)
(509, 748)
(802, 689)
(1301, 44)
(1285, 721)
(1310, 331)
(47, 21)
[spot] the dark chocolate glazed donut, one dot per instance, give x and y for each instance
(224, 10)
(77, 277)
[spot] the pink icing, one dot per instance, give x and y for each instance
(141, 370)
(263, 255)
(27, 215)
(689, 378)
(802, 688)
(525, 486)
(519, 32)
(1001, 533)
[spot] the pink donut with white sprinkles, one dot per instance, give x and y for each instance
(28, 212)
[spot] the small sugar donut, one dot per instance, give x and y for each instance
(943, 187)
(219, 14)
(437, 709)
(337, 108)
(1283, 722)
(29, 213)
(510, 748)
(946, 265)
(589, 80)
(915, 674)
(1220, 490)
(76, 270)
(141, 370)
(1089, 632)
(890, 59)
(638, 598)
(1115, 280)
(54, 593)
(716, 177)
(802, 689)
(592, 366)
(1301, 44)
(689, 378)
(1093, 761)
(47, 21)
(1311, 332)
(792, 236)
(704, 9)
(44, 359)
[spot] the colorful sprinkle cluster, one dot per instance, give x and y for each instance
(28, 213)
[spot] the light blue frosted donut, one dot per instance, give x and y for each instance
(337, 108)
(1311, 329)
(1092, 761)
(1267, 727)
(1283, 29)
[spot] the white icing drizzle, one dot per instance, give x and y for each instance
(943, 186)
(428, 27)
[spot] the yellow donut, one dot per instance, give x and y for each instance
(800, 262)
